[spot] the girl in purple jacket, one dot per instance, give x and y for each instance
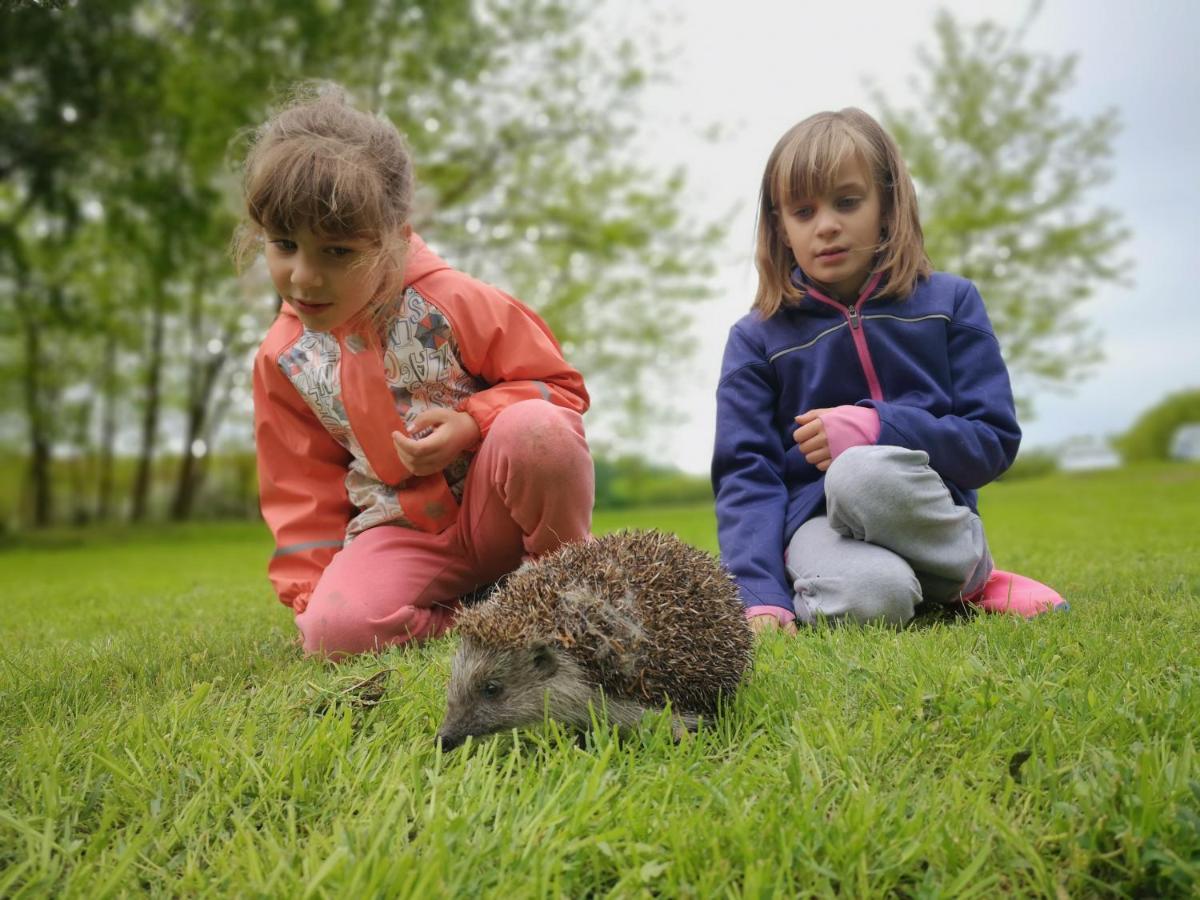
(862, 402)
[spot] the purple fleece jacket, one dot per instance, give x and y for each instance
(928, 364)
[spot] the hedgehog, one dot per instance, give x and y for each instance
(623, 623)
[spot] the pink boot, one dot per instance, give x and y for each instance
(1007, 592)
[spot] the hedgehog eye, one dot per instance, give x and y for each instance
(491, 690)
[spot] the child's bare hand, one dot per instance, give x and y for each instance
(452, 433)
(759, 624)
(811, 438)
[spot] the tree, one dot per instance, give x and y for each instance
(56, 114)
(521, 128)
(1152, 435)
(550, 199)
(1003, 174)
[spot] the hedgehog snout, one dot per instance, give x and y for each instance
(462, 722)
(493, 690)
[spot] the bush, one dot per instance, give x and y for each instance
(1149, 438)
(229, 489)
(629, 481)
(1031, 464)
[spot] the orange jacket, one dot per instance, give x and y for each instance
(326, 404)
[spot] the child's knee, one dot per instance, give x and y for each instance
(890, 598)
(868, 481)
(887, 591)
(862, 471)
(539, 434)
(539, 418)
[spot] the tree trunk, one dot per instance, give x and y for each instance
(108, 431)
(82, 466)
(36, 414)
(154, 364)
(217, 411)
(192, 469)
(186, 482)
(202, 379)
(38, 402)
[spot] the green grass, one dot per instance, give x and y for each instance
(159, 733)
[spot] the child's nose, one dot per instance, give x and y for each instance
(304, 274)
(827, 223)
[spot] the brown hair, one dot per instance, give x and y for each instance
(320, 164)
(805, 162)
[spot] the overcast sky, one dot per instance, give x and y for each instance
(758, 66)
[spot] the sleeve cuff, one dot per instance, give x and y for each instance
(782, 615)
(850, 426)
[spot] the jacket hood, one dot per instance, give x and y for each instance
(421, 261)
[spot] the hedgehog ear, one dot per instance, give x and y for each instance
(544, 658)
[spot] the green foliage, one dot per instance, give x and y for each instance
(1149, 438)
(120, 125)
(1032, 464)
(162, 735)
(1003, 175)
(230, 486)
(229, 489)
(629, 481)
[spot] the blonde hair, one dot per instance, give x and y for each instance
(805, 163)
(322, 165)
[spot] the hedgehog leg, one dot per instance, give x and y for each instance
(626, 714)
(683, 724)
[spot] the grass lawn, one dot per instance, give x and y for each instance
(159, 733)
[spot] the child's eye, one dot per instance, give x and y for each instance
(339, 252)
(803, 212)
(284, 244)
(849, 202)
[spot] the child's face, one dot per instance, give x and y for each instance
(834, 236)
(322, 278)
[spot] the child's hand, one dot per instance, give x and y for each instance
(451, 433)
(759, 624)
(811, 437)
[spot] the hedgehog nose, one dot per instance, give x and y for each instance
(448, 742)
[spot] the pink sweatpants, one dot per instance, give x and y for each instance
(530, 488)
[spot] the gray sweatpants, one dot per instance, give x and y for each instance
(892, 537)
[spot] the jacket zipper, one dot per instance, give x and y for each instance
(852, 314)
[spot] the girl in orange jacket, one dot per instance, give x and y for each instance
(418, 432)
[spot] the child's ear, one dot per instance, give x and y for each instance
(781, 231)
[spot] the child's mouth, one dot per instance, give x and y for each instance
(308, 307)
